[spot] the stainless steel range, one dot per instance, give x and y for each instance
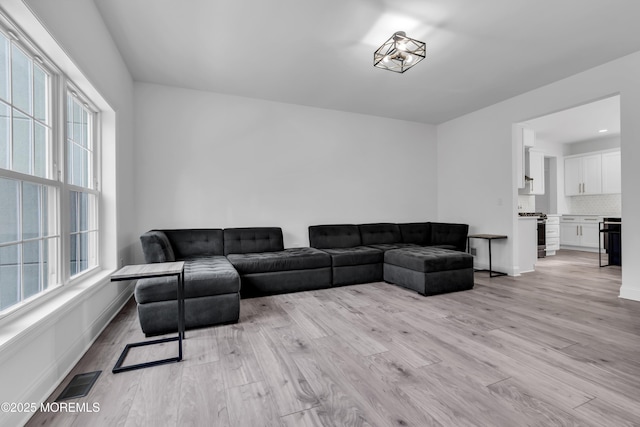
(542, 231)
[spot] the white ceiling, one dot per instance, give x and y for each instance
(320, 53)
(580, 123)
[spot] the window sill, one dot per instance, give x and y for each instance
(19, 324)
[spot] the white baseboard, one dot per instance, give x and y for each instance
(630, 293)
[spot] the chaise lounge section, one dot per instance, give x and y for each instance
(429, 270)
(211, 283)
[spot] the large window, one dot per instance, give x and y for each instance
(49, 191)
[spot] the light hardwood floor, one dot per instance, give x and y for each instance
(553, 347)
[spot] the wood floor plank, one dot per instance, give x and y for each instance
(237, 360)
(553, 347)
(603, 413)
(252, 405)
(539, 412)
(157, 396)
(355, 374)
(289, 388)
(203, 402)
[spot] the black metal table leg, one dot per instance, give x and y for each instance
(141, 273)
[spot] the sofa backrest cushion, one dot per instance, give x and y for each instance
(156, 247)
(196, 242)
(373, 234)
(334, 236)
(252, 240)
(450, 234)
(416, 232)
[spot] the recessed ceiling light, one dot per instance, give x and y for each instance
(603, 130)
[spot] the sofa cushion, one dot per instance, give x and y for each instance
(288, 259)
(203, 276)
(196, 242)
(373, 234)
(334, 236)
(156, 247)
(252, 240)
(449, 234)
(359, 255)
(427, 259)
(389, 246)
(416, 232)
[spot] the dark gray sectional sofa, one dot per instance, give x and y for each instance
(426, 257)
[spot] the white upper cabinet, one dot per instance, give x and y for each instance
(535, 171)
(611, 175)
(592, 174)
(583, 175)
(524, 138)
(572, 176)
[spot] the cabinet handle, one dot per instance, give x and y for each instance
(581, 230)
(577, 230)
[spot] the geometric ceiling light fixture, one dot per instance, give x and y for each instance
(399, 53)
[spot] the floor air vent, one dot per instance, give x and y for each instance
(79, 386)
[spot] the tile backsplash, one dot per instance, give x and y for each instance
(526, 203)
(599, 204)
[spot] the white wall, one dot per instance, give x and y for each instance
(555, 153)
(53, 337)
(212, 160)
(589, 145)
(477, 167)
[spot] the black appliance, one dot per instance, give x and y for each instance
(542, 231)
(612, 228)
(542, 236)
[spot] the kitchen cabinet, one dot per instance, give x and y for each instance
(580, 232)
(552, 234)
(528, 244)
(535, 171)
(524, 138)
(611, 173)
(583, 175)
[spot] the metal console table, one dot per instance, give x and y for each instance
(489, 238)
(144, 271)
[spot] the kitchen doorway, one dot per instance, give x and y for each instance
(572, 177)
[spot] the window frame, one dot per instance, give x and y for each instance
(94, 189)
(59, 86)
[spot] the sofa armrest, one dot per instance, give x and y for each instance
(449, 234)
(156, 247)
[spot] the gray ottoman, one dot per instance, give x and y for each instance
(429, 270)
